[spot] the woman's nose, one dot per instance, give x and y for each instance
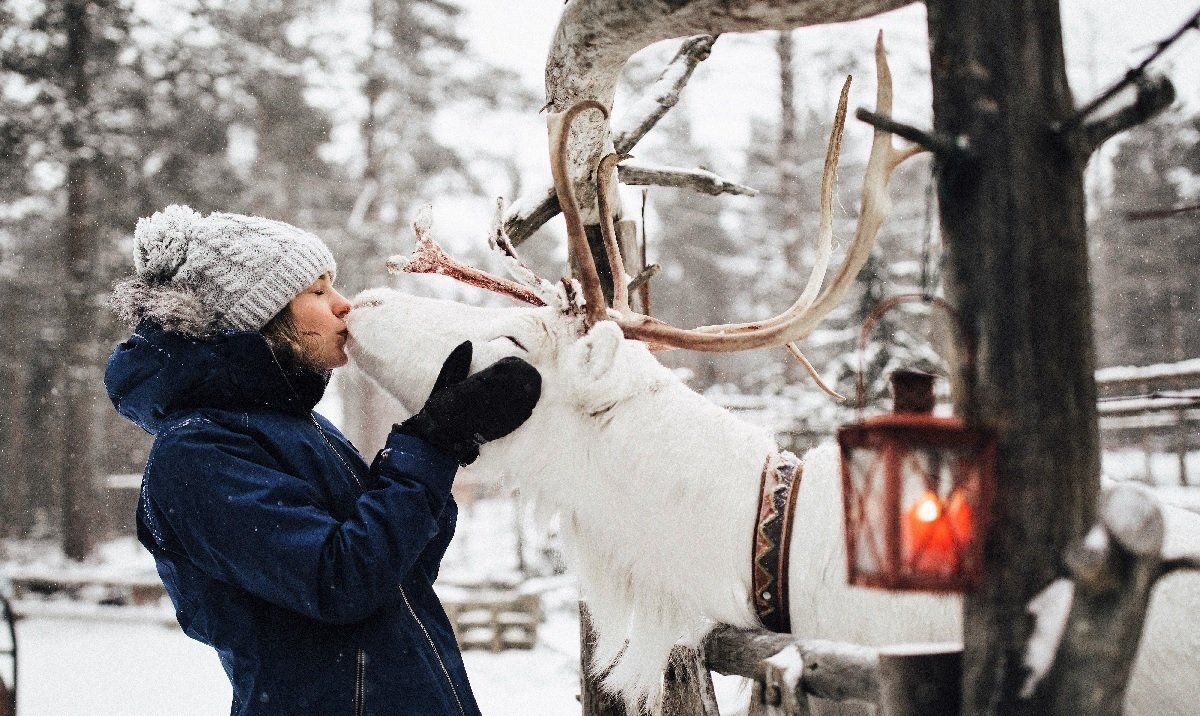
(341, 306)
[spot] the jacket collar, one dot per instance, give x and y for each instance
(156, 373)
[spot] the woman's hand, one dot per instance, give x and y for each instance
(465, 411)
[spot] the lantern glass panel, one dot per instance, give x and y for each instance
(937, 491)
(913, 500)
(866, 504)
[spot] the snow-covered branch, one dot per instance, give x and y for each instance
(527, 214)
(595, 38)
(700, 180)
(631, 126)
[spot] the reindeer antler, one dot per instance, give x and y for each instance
(604, 172)
(784, 329)
(428, 257)
(806, 313)
(589, 278)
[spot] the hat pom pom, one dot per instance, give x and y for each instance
(160, 242)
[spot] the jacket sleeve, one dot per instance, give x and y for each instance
(246, 522)
(431, 557)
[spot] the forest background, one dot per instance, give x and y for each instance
(346, 116)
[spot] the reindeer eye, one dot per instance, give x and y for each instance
(512, 340)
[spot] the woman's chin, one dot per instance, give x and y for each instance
(340, 359)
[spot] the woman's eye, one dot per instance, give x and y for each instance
(319, 292)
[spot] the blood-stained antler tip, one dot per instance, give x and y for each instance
(423, 222)
(397, 264)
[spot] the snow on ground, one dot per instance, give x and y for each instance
(1157, 468)
(86, 668)
(83, 668)
(89, 667)
(77, 667)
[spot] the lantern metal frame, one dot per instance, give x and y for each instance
(965, 454)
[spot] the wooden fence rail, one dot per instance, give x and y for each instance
(912, 680)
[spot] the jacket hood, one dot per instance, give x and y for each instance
(156, 373)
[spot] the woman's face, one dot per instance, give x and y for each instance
(318, 312)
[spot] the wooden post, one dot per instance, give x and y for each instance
(1012, 211)
(687, 685)
(920, 680)
(1114, 569)
(594, 700)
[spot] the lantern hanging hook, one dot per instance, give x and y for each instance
(965, 339)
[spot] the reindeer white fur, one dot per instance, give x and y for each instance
(655, 487)
(656, 491)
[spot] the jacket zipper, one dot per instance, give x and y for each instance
(361, 666)
(436, 653)
(360, 679)
(336, 454)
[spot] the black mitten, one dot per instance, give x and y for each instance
(464, 412)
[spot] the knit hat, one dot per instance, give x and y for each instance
(201, 274)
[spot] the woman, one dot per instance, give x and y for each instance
(309, 572)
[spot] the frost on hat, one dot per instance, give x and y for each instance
(201, 274)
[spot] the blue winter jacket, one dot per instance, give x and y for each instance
(309, 572)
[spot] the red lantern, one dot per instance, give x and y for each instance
(915, 487)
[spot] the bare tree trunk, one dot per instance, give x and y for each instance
(789, 151)
(1018, 272)
(368, 412)
(688, 686)
(14, 492)
(78, 378)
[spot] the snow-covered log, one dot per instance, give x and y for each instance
(1088, 636)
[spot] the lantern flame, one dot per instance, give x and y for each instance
(928, 509)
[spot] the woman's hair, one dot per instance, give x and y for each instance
(286, 341)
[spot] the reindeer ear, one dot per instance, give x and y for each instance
(596, 352)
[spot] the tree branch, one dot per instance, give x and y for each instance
(700, 180)
(1162, 213)
(527, 215)
(953, 148)
(643, 276)
(1154, 94)
(1133, 75)
(662, 95)
(1179, 564)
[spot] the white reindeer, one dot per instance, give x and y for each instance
(655, 487)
